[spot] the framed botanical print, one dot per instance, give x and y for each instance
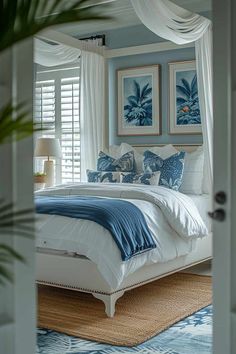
(139, 101)
(184, 112)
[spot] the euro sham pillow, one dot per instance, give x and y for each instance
(193, 172)
(164, 151)
(125, 163)
(103, 177)
(171, 168)
(151, 179)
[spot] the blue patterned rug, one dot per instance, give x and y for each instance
(193, 335)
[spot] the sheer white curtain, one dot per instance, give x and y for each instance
(91, 109)
(205, 83)
(92, 98)
(180, 26)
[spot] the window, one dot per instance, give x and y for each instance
(57, 111)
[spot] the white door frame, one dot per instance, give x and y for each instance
(224, 245)
(17, 300)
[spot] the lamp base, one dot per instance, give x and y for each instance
(49, 171)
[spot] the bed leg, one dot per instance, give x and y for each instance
(109, 301)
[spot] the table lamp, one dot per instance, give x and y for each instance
(48, 147)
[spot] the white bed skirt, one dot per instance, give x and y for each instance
(81, 274)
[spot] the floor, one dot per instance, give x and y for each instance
(193, 335)
(201, 269)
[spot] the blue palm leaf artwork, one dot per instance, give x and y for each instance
(187, 101)
(137, 110)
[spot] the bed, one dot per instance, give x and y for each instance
(92, 263)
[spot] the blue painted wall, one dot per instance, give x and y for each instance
(133, 36)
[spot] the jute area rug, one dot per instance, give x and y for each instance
(140, 314)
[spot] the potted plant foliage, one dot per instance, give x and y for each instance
(39, 180)
(39, 177)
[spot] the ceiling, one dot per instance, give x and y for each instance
(124, 15)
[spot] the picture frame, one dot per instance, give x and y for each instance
(184, 112)
(139, 101)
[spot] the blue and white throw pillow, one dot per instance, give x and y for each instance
(124, 163)
(151, 179)
(171, 168)
(103, 177)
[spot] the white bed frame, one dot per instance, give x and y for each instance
(81, 274)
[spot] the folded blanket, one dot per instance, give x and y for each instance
(123, 219)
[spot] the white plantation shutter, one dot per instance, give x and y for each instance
(57, 110)
(44, 113)
(45, 106)
(70, 130)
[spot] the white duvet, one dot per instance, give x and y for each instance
(172, 218)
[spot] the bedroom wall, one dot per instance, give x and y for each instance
(134, 36)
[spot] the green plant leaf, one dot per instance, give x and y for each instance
(7, 256)
(10, 252)
(15, 120)
(13, 223)
(16, 222)
(22, 19)
(5, 274)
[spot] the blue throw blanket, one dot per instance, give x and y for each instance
(123, 219)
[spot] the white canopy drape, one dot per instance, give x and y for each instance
(92, 76)
(92, 113)
(47, 54)
(180, 26)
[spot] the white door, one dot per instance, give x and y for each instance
(224, 264)
(17, 300)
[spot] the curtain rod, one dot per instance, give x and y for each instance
(99, 36)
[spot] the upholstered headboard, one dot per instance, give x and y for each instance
(182, 147)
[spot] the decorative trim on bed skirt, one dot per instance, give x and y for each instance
(71, 287)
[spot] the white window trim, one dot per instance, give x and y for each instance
(57, 73)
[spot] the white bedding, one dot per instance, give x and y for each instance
(204, 205)
(172, 218)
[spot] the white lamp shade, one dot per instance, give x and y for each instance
(47, 147)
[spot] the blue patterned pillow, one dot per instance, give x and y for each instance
(171, 168)
(103, 177)
(124, 163)
(142, 178)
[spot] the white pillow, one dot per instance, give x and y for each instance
(193, 172)
(114, 151)
(165, 151)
